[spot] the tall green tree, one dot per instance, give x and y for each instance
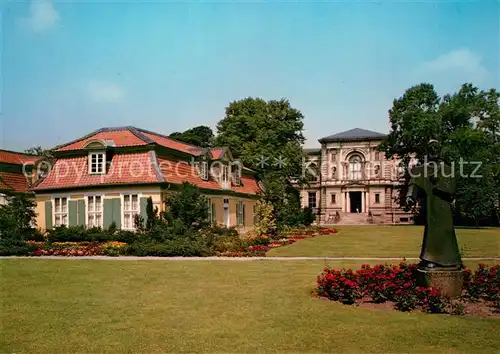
(466, 126)
(267, 137)
(200, 136)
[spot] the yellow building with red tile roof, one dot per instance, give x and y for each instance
(108, 175)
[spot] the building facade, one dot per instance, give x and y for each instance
(354, 183)
(107, 177)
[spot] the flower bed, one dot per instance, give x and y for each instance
(253, 246)
(74, 249)
(397, 285)
(259, 245)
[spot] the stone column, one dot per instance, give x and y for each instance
(363, 206)
(348, 203)
(368, 201)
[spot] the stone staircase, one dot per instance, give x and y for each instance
(353, 219)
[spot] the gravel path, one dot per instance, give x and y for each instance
(238, 259)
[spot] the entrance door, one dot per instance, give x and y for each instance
(355, 198)
(226, 212)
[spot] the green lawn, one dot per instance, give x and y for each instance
(387, 241)
(85, 306)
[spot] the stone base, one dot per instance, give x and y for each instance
(448, 282)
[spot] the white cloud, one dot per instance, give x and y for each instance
(43, 16)
(100, 91)
(461, 65)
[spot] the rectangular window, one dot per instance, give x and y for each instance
(130, 210)
(94, 211)
(312, 200)
(333, 198)
(225, 176)
(61, 211)
(240, 213)
(97, 163)
(377, 155)
(203, 170)
(333, 156)
(377, 198)
(236, 175)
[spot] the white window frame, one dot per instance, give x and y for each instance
(203, 170)
(131, 211)
(88, 212)
(100, 166)
(236, 176)
(60, 213)
(225, 176)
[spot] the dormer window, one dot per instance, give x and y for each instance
(236, 174)
(97, 163)
(225, 177)
(203, 170)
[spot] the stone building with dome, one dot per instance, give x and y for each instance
(354, 183)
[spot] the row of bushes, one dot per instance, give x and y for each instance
(217, 241)
(398, 284)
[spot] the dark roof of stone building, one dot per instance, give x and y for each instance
(312, 151)
(356, 134)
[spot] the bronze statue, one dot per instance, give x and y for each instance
(439, 247)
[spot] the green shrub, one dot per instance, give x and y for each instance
(308, 216)
(171, 248)
(125, 236)
(12, 247)
(265, 220)
(77, 234)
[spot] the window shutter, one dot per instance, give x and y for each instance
(108, 213)
(81, 212)
(243, 213)
(117, 212)
(72, 217)
(143, 211)
(48, 214)
(214, 217)
(238, 216)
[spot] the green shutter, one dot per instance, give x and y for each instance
(117, 212)
(108, 213)
(73, 217)
(214, 217)
(238, 214)
(48, 214)
(243, 213)
(81, 212)
(144, 214)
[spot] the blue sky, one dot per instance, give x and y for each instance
(69, 68)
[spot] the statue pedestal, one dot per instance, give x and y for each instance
(448, 282)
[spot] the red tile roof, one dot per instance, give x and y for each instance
(171, 143)
(16, 182)
(135, 168)
(181, 171)
(121, 138)
(17, 157)
(125, 169)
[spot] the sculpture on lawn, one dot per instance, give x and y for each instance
(439, 252)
